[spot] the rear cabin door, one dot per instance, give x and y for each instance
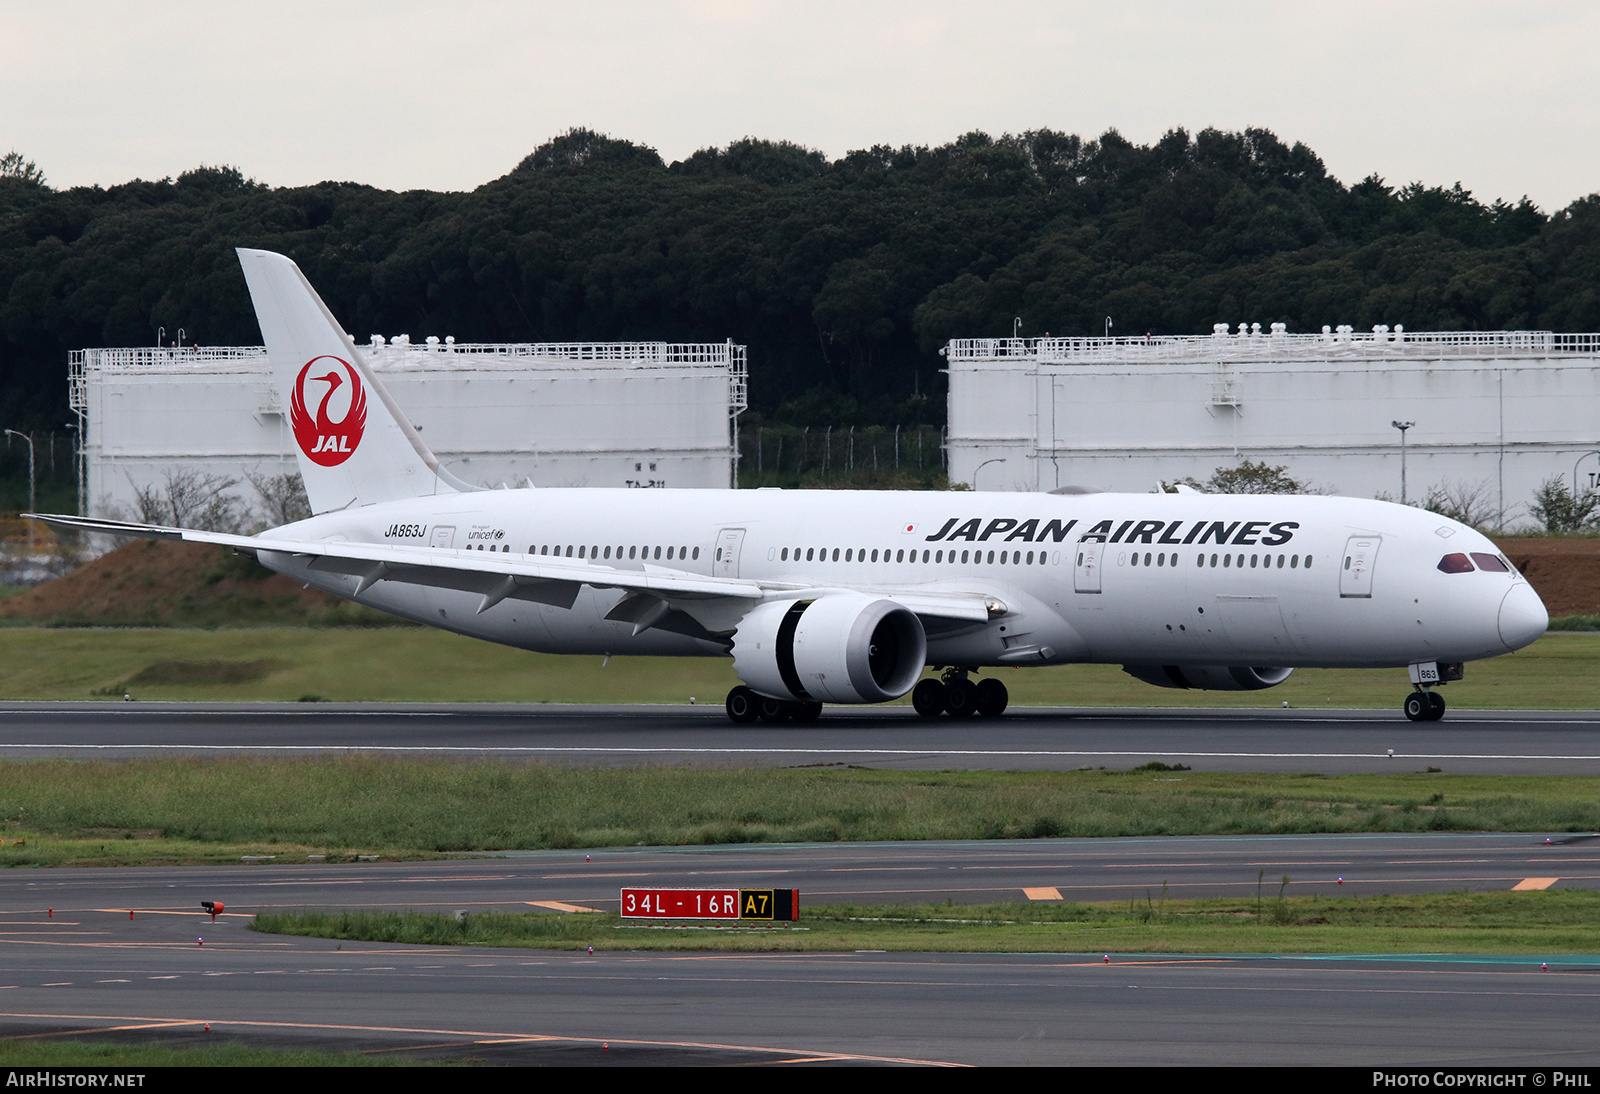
(725, 559)
(444, 536)
(1355, 572)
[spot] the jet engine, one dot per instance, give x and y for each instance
(840, 648)
(1209, 677)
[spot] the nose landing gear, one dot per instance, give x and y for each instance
(1424, 706)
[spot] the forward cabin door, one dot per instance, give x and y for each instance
(1355, 571)
(725, 559)
(1086, 570)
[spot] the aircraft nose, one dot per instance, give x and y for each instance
(1523, 618)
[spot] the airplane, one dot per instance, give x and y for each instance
(847, 596)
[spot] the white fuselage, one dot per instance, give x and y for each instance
(1118, 578)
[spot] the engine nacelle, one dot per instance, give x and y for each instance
(1209, 677)
(840, 648)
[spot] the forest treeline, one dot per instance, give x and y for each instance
(843, 276)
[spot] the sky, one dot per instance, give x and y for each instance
(1500, 97)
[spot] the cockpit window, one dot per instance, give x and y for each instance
(1494, 564)
(1455, 564)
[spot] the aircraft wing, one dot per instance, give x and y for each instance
(497, 576)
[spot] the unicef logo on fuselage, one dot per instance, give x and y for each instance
(325, 440)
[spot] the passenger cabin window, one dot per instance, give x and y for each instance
(1455, 564)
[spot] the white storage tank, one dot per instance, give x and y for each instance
(622, 414)
(1489, 415)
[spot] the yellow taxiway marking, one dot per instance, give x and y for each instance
(558, 906)
(1535, 883)
(488, 1037)
(1042, 892)
(549, 877)
(174, 911)
(414, 1048)
(153, 1024)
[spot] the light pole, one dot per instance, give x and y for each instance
(981, 466)
(1402, 427)
(31, 504)
(74, 430)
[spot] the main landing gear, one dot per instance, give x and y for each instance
(954, 693)
(1424, 706)
(745, 706)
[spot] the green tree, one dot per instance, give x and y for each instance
(1560, 511)
(1253, 478)
(14, 166)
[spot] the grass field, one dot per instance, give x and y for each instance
(174, 810)
(1546, 923)
(404, 664)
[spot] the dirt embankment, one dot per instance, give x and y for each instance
(157, 583)
(1564, 569)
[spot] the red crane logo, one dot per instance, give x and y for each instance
(326, 442)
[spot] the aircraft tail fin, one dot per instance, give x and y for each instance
(354, 444)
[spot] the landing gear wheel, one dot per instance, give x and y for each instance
(1418, 706)
(961, 698)
(773, 711)
(927, 698)
(743, 705)
(1435, 706)
(992, 698)
(805, 712)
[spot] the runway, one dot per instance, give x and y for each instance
(1329, 742)
(90, 967)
